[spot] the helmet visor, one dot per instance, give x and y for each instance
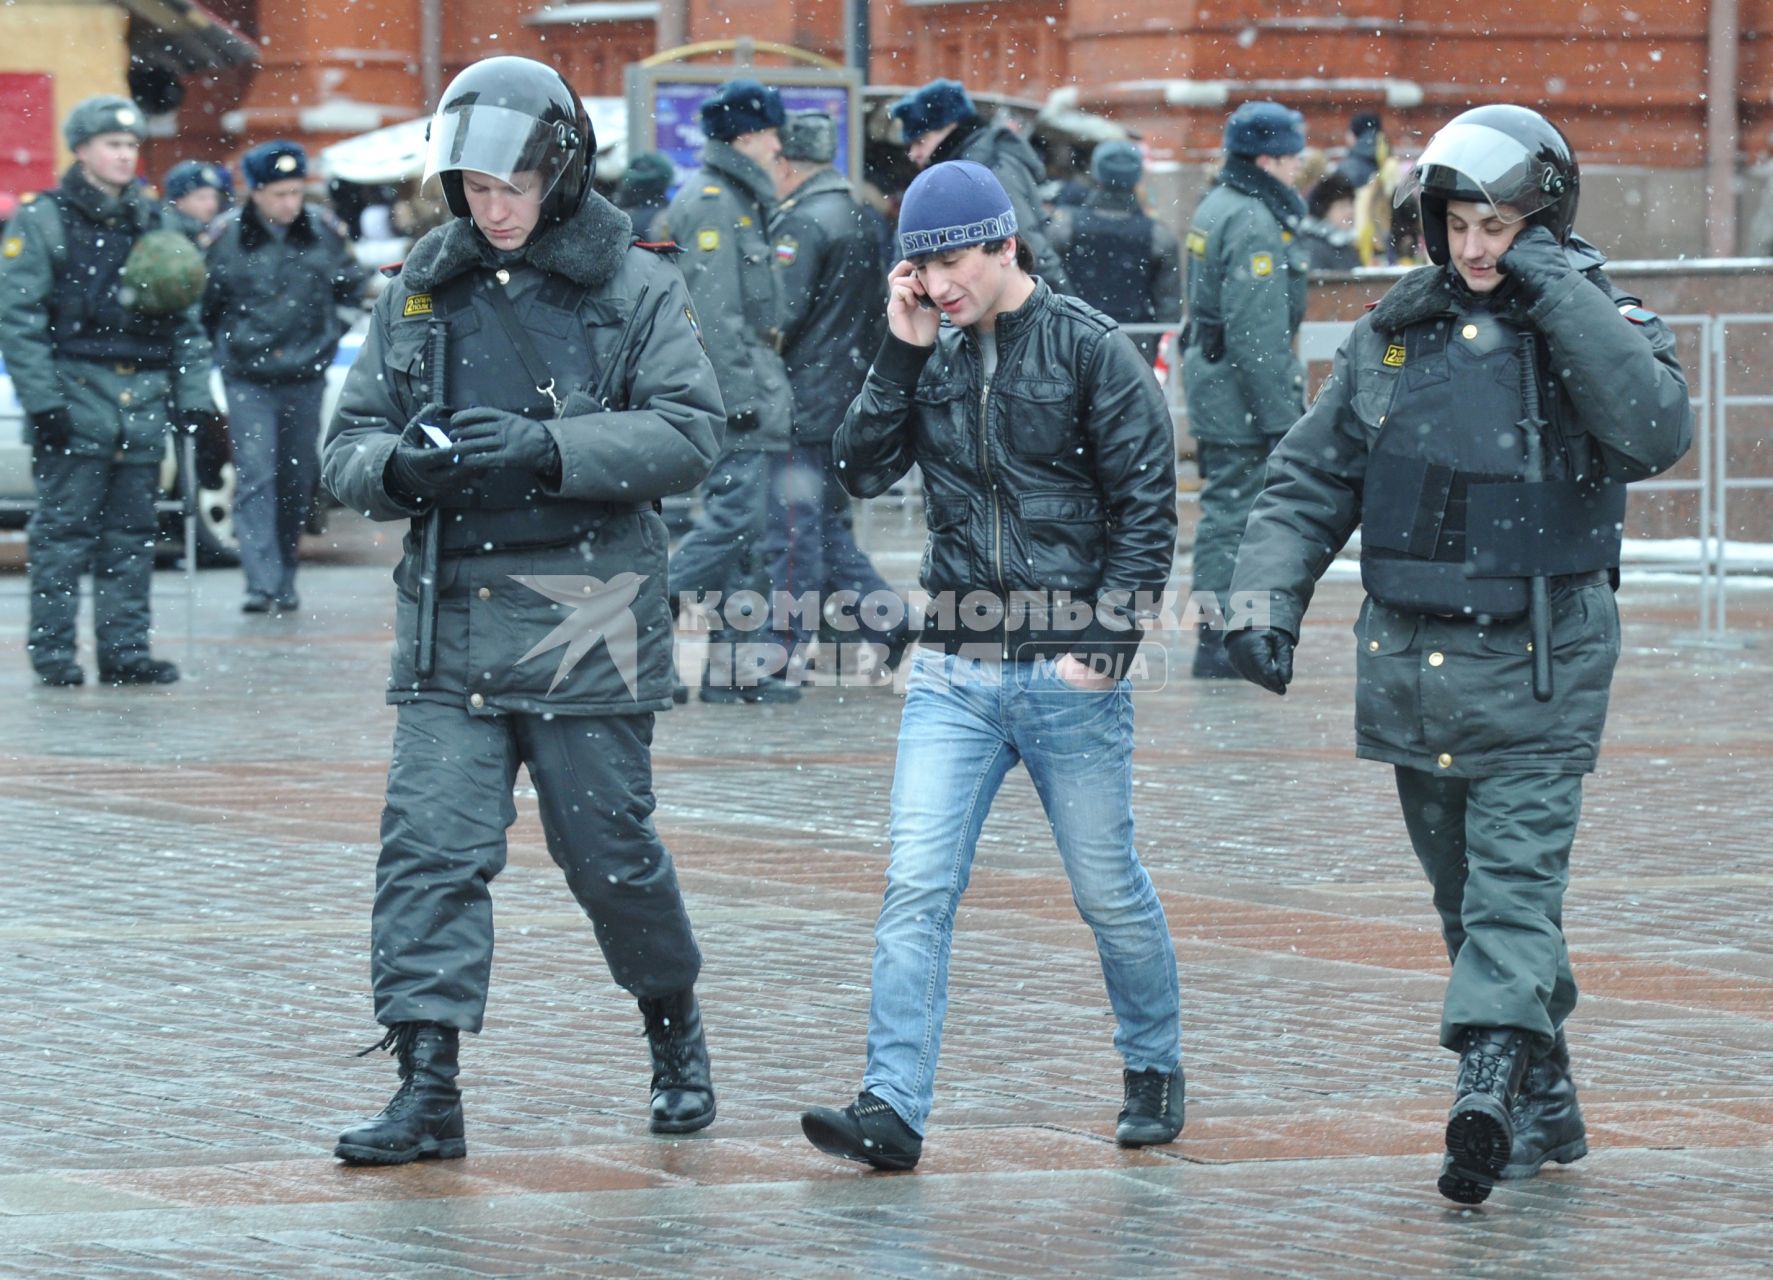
(1474, 159)
(515, 148)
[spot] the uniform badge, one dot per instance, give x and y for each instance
(14, 246)
(710, 191)
(708, 239)
(1262, 265)
(1394, 357)
(787, 249)
(744, 219)
(417, 304)
(1197, 244)
(286, 163)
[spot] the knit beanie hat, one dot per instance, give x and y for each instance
(953, 205)
(1117, 166)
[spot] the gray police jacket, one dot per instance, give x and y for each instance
(1454, 695)
(272, 301)
(1247, 280)
(506, 642)
(720, 218)
(121, 403)
(835, 301)
(1009, 157)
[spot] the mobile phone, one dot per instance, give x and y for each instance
(923, 300)
(436, 435)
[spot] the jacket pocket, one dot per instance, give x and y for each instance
(406, 365)
(940, 420)
(947, 554)
(1039, 417)
(1063, 538)
(1387, 690)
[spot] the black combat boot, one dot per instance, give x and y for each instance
(683, 1090)
(62, 673)
(142, 670)
(1210, 662)
(868, 1131)
(1547, 1118)
(1480, 1129)
(422, 1120)
(1152, 1112)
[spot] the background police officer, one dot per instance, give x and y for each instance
(278, 274)
(721, 218)
(834, 315)
(98, 322)
(591, 398)
(196, 192)
(1121, 261)
(1244, 385)
(939, 122)
(1479, 427)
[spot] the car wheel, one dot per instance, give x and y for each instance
(217, 547)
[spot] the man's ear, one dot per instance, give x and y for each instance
(1007, 257)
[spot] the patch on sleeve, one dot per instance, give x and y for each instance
(708, 239)
(417, 304)
(1197, 244)
(1394, 357)
(1632, 312)
(14, 246)
(787, 250)
(1262, 265)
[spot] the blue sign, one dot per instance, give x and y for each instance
(677, 126)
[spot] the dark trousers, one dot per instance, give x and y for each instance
(443, 840)
(275, 432)
(92, 513)
(724, 551)
(1231, 477)
(1497, 854)
(810, 547)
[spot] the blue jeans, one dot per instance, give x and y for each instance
(966, 723)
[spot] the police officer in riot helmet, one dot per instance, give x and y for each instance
(530, 387)
(1479, 427)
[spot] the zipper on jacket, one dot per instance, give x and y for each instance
(996, 509)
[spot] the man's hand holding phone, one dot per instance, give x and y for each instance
(911, 316)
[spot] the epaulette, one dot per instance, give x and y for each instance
(1636, 314)
(712, 190)
(1369, 306)
(664, 248)
(30, 197)
(392, 269)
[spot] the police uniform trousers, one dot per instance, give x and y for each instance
(448, 807)
(1231, 476)
(275, 433)
(724, 550)
(96, 514)
(1497, 854)
(811, 548)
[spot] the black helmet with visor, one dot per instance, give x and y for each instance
(1511, 158)
(507, 116)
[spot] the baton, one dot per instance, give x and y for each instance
(431, 525)
(1532, 426)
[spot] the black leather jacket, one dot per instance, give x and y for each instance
(1057, 484)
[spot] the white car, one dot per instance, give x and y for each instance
(216, 544)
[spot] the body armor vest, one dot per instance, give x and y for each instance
(87, 321)
(1449, 523)
(510, 510)
(1110, 264)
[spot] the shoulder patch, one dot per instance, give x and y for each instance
(1197, 244)
(1394, 356)
(787, 250)
(1262, 265)
(392, 269)
(1632, 312)
(417, 304)
(708, 239)
(14, 246)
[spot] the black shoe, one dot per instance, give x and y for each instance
(1547, 1118)
(1152, 1113)
(424, 1119)
(679, 692)
(868, 1130)
(683, 1090)
(139, 671)
(1480, 1129)
(287, 602)
(65, 674)
(256, 602)
(1210, 662)
(775, 692)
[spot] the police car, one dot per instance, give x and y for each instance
(216, 544)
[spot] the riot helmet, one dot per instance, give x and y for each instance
(506, 115)
(1498, 155)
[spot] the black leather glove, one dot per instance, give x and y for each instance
(1537, 260)
(196, 422)
(420, 471)
(53, 429)
(1262, 657)
(495, 439)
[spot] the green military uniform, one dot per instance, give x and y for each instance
(113, 380)
(1489, 776)
(1243, 382)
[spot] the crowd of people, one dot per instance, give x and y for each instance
(544, 368)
